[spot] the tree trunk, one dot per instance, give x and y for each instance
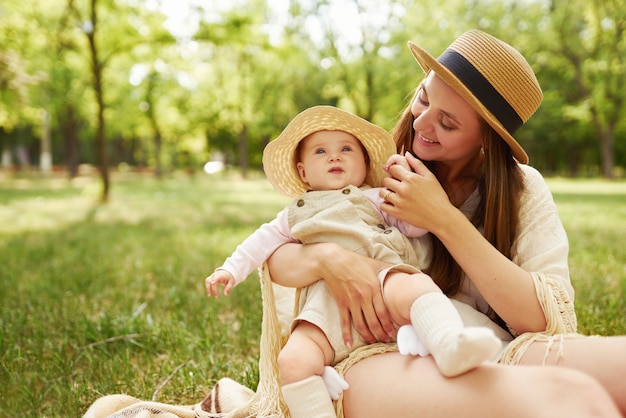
(606, 153)
(243, 150)
(45, 159)
(158, 144)
(69, 127)
(152, 116)
(96, 65)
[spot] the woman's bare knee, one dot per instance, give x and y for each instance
(586, 395)
(554, 391)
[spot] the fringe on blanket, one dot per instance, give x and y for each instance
(560, 315)
(226, 395)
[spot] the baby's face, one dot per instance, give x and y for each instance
(331, 160)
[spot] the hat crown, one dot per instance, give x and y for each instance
(279, 156)
(505, 69)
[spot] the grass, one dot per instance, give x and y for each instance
(108, 299)
(74, 275)
(594, 215)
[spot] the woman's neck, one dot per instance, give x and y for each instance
(459, 180)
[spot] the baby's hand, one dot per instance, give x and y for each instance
(399, 160)
(219, 277)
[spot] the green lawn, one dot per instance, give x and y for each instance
(594, 215)
(107, 299)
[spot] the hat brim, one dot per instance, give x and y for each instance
(429, 63)
(279, 156)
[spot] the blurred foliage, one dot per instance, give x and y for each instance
(202, 78)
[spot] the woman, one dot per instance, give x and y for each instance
(496, 242)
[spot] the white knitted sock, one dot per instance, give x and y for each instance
(455, 348)
(309, 398)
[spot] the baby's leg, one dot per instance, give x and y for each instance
(305, 354)
(416, 299)
(301, 365)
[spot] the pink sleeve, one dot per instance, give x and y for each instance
(257, 248)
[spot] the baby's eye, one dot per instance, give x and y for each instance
(320, 151)
(346, 149)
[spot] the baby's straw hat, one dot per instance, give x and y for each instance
(279, 156)
(493, 77)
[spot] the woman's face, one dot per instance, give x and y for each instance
(447, 128)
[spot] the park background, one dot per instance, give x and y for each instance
(110, 110)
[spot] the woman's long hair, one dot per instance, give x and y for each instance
(500, 185)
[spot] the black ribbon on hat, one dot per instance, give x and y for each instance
(482, 89)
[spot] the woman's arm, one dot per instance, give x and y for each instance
(509, 289)
(351, 278)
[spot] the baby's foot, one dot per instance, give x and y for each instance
(467, 350)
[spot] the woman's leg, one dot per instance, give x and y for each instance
(603, 358)
(404, 387)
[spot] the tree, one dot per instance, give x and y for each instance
(90, 28)
(101, 51)
(243, 79)
(590, 39)
(230, 78)
(22, 70)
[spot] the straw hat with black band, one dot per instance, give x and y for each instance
(493, 77)
(279, 156)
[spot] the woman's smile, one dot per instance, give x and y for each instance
(426, 141)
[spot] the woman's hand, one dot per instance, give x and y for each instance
(417, 196)
(353, 281)
(351, 278)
